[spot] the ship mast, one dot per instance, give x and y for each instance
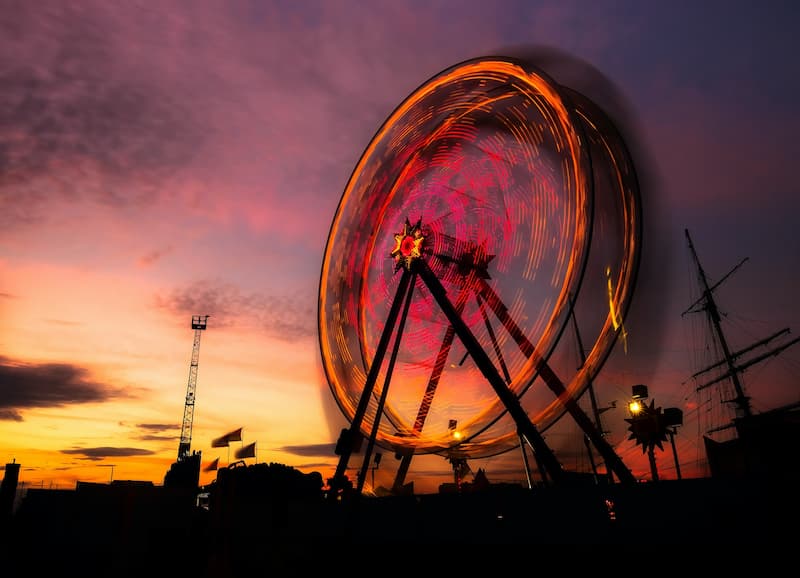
(730, 360)
(742, 401)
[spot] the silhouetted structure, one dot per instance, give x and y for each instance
(269, 509)
(8, 491)
(270, 516)
(185, 473)
(126, 528)
(765, 445)
(199, 323)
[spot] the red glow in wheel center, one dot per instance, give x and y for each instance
(407, 246)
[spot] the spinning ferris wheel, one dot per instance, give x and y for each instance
(492, 209)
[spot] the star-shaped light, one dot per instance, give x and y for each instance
(648, 427)
(408, 244)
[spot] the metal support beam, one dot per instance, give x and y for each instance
(524, 424)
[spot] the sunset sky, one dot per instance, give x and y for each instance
(160, 160)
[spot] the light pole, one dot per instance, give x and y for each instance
(376, 463)
(649, 426)
(644, 426)
(673, 417)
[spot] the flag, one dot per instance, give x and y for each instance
(248, 451)
(212, 466)
(223, 441)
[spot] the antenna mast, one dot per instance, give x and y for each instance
(199, 325)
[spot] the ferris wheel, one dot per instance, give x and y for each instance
(493, 210)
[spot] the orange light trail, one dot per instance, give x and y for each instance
(486, 154)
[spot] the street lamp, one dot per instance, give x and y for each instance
(649, 426)
(457, 457)
(645, 425)
(455, 433)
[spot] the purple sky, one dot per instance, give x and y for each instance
(159, 160)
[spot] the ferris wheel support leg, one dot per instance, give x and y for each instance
(430, 391)
(349, 436)
(544, 371)
(402, 470)
(524, 424)
(492, 336)
(385, 389)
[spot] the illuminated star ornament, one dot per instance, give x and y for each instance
(408, 244)
(648, 426)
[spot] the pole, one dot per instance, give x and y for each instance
(111, 479)
(592, 398)
(651, 455)
(525, 462)
(672, 433)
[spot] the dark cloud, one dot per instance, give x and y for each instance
(4, 295)
(312, 466)
(153, 256)
(156, 427)
(156, 438)
(73, 111)
(25, 386)
(96, 454)
(287, 317)
(10, 415)
(152, 432)
(310, 450)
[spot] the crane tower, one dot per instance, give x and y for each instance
(199, 325)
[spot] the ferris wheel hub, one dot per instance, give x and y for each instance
(408, 245)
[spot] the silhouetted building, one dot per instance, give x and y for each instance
(126, 528)
(8, 491)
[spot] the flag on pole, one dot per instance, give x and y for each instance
(223, 441)
(212, 466)
(248, 451)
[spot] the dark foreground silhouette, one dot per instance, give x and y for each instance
(268, 516)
